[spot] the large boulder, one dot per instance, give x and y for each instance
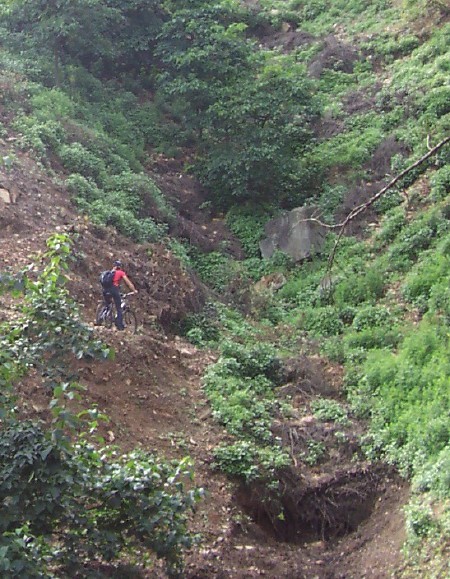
(294, 234)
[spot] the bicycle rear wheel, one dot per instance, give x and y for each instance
(103, 315)
(99, 314)
(130, 321)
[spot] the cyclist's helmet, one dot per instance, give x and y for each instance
(117, 263)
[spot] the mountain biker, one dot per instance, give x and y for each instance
(114, 291)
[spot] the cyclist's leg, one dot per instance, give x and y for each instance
(115, 292)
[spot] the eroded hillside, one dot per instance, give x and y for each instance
(343, 519)
(289, 393)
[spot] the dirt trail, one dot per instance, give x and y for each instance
(153, 396)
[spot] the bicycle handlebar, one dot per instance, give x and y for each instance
(127, 294)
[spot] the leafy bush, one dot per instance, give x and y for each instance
(418, 236)
(316, 450)
(405, 394)
(440, 183)
(247, 223)
(418, 285)
(360, 288)
(321, 321)
(62, 501)
(329, 410)
(434, 475)
(77, 159)
(392, 224)
(83, 188)
(373, 337)
(142, 190)
(254, 360)
(248, 461)
(203, 328)
(52, 104)
(141, 230)
(372, 316)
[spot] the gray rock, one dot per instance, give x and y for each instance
(294, 234)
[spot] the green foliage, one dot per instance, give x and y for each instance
(434, 475)
(357, 289)
(407, 397)
(249, 462)
(316, 450)
(250, 127)
(203, 328)
(428, 273)
(373, 316)
(247, 223)
(215, 269)
(254, 360)
(440, 183)
(420, 521)
(77, 159)
(373, 337)
(350, 149)
(392, 224)
(240, 388)
(329, 410)
(321, 321)
(124, 220)
(418, 236)
(82, 189)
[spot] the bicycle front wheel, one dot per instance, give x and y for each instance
(130, 321)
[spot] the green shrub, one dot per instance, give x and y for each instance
(359, 288)
(372, 316)
(124, 220)
(371, 338)
(440, 183)
(77, 159)
(392, 224)
(407, 397)
(321, 321)
(204, 327)
(142, 190)
(248, 461)
(418, 236)
(253, 360)
(316, 450)
(434, 475)
(38, 135)
(439, 302)
(247, 223)
(437, 101)
(52, 104)
(329, 410)
(83, 188)
(334, 349)
(420, 521)
(427, 274)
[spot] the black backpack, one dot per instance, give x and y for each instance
(106, 279)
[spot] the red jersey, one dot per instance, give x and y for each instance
(118, 275)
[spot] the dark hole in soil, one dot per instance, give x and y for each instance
(323, 510)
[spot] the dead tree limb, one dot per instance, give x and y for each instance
(360, 208)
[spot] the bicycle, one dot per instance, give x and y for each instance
(105, 314)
